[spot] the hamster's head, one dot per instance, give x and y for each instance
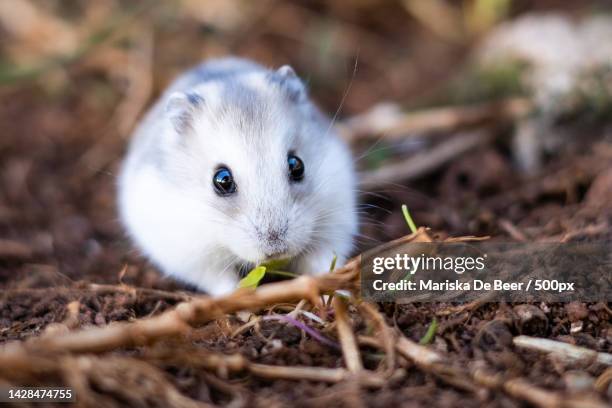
(268, 176)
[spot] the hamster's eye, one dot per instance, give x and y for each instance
(223, 181)
(296, 168)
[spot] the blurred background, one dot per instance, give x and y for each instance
(485, 117)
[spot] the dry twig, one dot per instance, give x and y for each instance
(350, 350)
(566, 351)
(328, 375)
(520, 388)
(384, 331)
(425, 162)
(14, 250)
(444, 119)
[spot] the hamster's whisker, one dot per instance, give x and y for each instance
(232, 261)
(344, 96)
(374, 206)
(371, 150)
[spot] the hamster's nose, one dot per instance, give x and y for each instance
(274, 243)
(273, 236)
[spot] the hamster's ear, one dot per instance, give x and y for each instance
(180, 108)
(294, 87)
(286, 71)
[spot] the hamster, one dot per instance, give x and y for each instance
(234, 166)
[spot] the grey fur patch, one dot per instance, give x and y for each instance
(246, 107)
(195, 99)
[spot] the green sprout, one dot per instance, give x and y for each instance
(413, 229)
(431, 332)
(333, 263)
(408, 219)
(282, 273)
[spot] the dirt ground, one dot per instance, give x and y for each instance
(62, 248)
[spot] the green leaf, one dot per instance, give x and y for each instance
(253, 277)
(276, 264)
(431, 332)
(408, 218)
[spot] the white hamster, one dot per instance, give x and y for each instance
(234, 166)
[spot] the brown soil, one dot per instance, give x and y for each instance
(59, 235)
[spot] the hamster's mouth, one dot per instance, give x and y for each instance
(270, 263)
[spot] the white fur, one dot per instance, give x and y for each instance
(248, 122)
